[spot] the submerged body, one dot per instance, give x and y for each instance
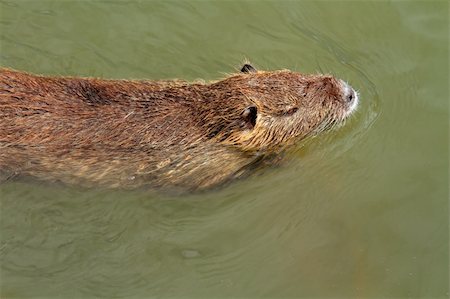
(119, 133)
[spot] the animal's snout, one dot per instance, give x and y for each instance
(350, 95)
(349, 92)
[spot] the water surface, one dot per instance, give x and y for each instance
(361, 212)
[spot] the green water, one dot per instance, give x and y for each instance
(361, 212)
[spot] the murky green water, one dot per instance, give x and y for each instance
(360, 212)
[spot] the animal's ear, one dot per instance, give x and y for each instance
(249, 117)
(248, 68)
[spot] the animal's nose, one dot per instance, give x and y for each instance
(350, 95)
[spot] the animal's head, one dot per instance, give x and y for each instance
(263, 110)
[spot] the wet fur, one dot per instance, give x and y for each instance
(119, 133)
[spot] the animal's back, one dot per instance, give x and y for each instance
(96, 132)
(83, 111)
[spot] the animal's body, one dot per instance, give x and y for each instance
(119, 133)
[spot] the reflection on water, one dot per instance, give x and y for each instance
(357, 212)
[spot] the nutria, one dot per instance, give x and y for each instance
(121, 133)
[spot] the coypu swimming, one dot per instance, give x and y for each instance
(162, 134)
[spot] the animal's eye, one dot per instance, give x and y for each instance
(290, 111)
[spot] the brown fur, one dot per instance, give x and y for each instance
(119, 133)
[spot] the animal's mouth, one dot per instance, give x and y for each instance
(327, 123)
(336, 117)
